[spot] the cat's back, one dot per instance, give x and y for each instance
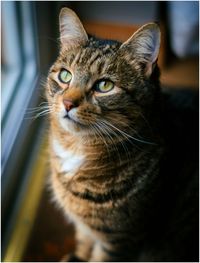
(180, 129)
(177, 204)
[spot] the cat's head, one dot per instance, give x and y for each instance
(96, 85)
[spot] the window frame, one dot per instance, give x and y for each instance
(16, 96)
(20, 62)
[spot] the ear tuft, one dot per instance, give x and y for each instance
(145, 44)
(72, 32)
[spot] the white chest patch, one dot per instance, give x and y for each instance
(70, 161)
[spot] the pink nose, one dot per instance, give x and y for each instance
(68, 104)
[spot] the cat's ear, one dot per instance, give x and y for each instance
(72, 32)
(145, 45)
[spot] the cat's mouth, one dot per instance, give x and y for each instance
(74, 121)
(67, 117)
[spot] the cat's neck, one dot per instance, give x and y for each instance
(106, 156)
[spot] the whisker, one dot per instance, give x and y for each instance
(37, 109)
(45, 112)
(128, 135)
(120, 141)
(123, 136)
(106, 131)
(98, 131)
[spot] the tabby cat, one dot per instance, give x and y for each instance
(112, 170)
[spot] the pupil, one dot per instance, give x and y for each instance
(65, 75)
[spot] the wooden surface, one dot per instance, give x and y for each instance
(52, 236)
(181, 73)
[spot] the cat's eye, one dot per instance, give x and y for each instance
(65, 76)
(104, 86)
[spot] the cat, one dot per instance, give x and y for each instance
(112, 169)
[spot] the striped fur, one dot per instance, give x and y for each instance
(106, 152)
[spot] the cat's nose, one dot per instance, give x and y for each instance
(68, 104)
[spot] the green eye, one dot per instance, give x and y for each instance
(65, 76)
(104, 86)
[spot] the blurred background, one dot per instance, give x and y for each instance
(33, 229)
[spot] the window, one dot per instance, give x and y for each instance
(19, 70)
(29, 47)
(19, 81)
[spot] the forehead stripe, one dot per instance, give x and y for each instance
(94, 58)
(76, 59)
(83, 56)
(102, 67)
